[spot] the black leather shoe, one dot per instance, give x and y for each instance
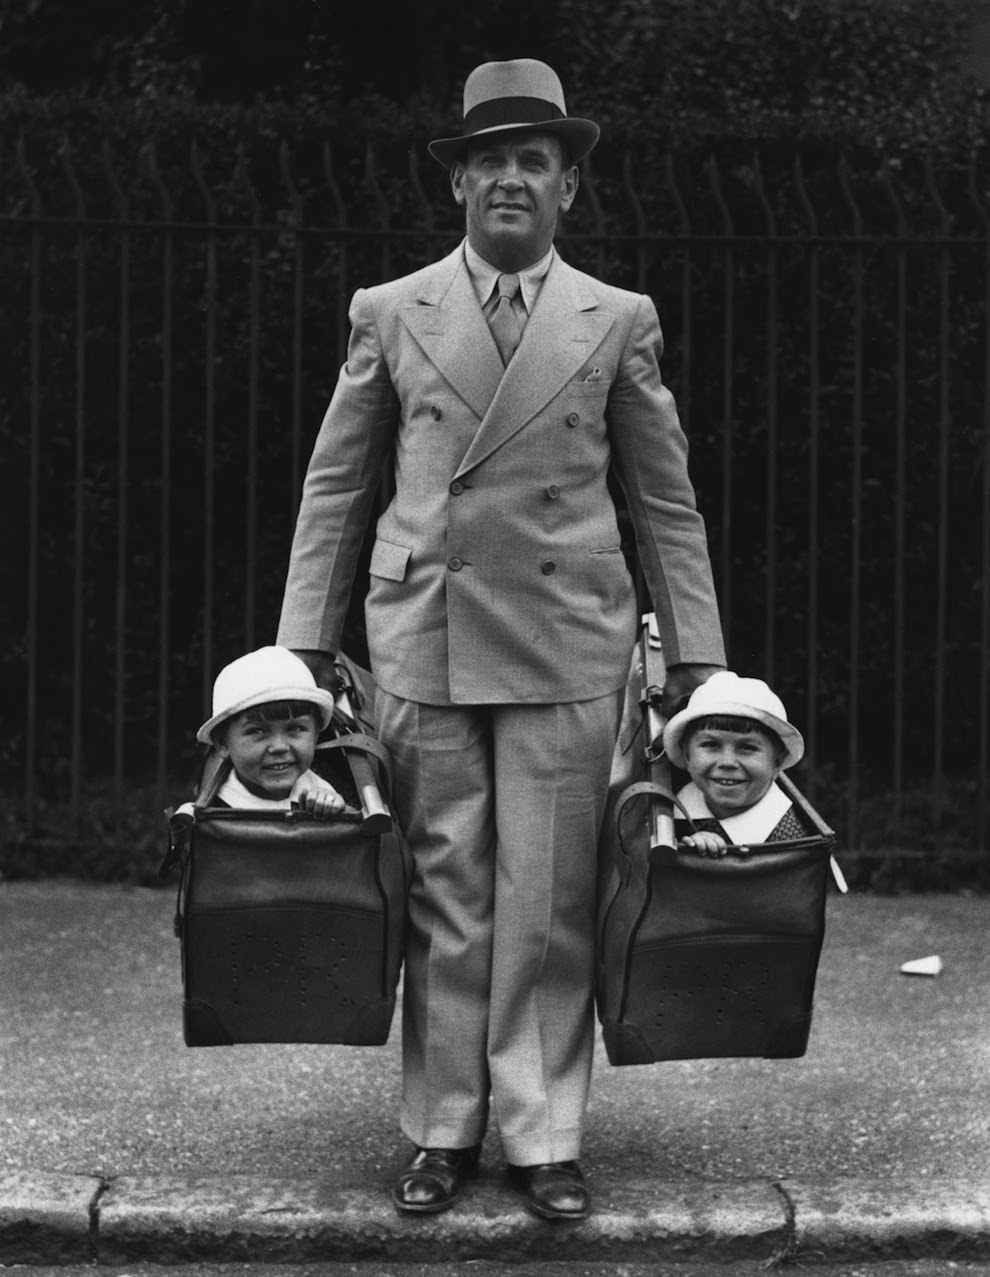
(431, 1181)
(552, 1190)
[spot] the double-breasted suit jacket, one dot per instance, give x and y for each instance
(497, 574)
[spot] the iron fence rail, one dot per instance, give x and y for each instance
(173, 340)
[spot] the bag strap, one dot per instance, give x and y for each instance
(647, 788)
(216, 769)
(362, 743)
(802, 804)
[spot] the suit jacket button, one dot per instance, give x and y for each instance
(435, 412)
(553, 492)
(456, 488)
(454, 563)
(573, 419)
(548, 567)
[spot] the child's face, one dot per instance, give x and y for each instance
(732, 769)
(269, 757)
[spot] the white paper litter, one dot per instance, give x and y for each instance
(932, 965)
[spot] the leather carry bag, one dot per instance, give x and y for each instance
(291, 927)
(701, 957)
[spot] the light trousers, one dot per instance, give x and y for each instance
(502, 807)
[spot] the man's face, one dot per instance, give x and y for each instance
(512, 188)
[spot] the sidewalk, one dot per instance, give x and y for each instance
(117, 1143)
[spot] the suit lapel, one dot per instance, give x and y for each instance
(566, 327)
(449, 326)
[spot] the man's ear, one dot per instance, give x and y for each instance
(457, 181)
(571, 179)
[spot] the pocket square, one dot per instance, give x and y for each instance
(594, 375)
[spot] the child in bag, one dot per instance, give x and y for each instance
(733, 739)
(267, 716)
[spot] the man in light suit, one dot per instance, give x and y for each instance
(500, 387)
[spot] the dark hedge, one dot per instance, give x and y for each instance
(773, 175)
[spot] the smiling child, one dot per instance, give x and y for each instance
(267, 716)
(733, 739)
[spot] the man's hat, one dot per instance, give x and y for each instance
(505, 97)
(726, 693)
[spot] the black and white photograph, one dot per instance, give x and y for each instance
(496, 655)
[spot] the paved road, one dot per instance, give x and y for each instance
(890, 1101)
(96, 1078)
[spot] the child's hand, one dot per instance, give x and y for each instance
(706, 843)
(321, 803)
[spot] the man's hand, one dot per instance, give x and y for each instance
(681, 682)
(321, 666)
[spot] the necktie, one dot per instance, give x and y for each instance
(505, 321)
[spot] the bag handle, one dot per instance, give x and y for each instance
(659, 853)
(358, 747)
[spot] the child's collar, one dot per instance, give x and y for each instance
(236, 794)
(755, 824)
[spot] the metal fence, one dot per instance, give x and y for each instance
(173, 332)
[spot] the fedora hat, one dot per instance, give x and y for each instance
(727, 693)
(505, 97)
(269, 674)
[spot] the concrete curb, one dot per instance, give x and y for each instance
(47, 1218)
(60, 1219)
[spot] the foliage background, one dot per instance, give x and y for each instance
(240, 103)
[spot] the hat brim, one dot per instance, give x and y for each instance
(579, 136)
(790, 737)
(323, 701)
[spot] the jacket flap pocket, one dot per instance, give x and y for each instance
(389, 560)
(588, 389)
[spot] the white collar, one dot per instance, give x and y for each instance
(755, 824)
(235, 793)
(484, 276)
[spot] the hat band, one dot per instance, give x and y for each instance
(510, 111)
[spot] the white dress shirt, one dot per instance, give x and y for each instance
(484, 277)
